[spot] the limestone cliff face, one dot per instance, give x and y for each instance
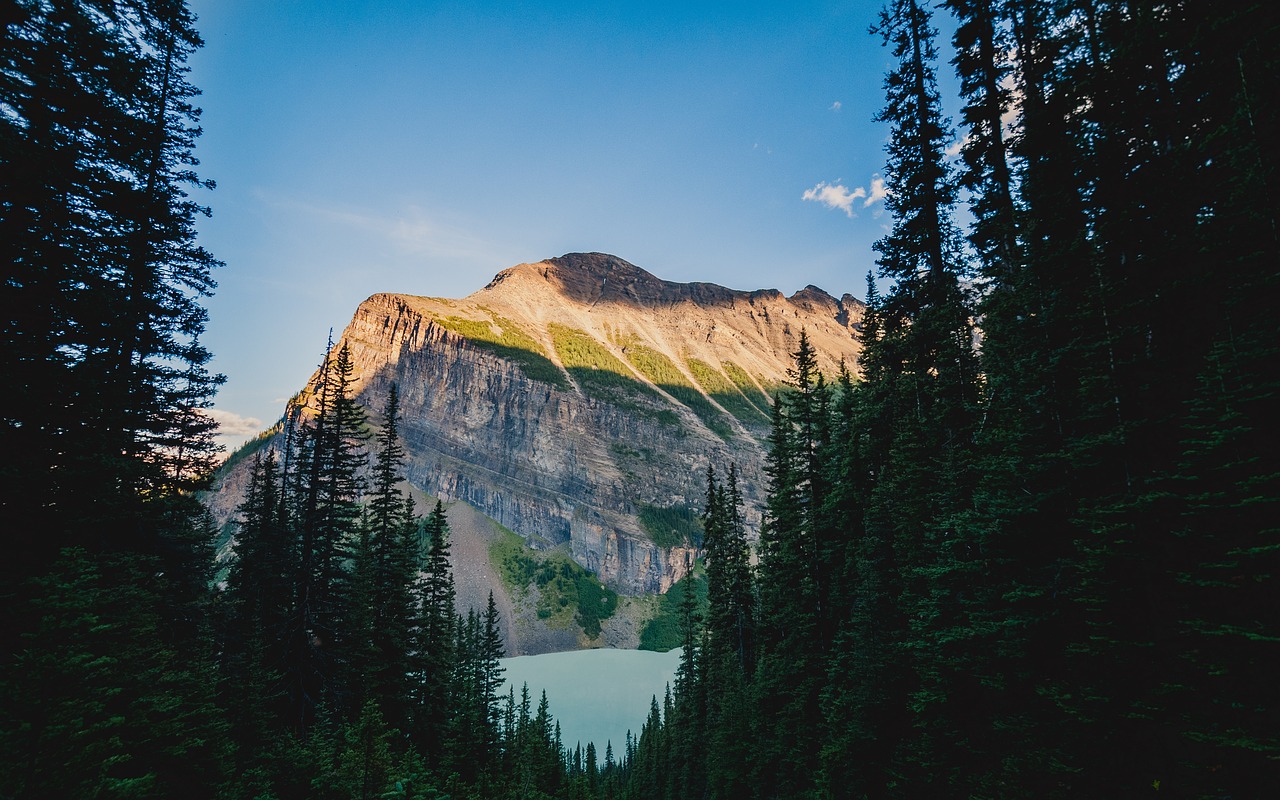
(576, 399)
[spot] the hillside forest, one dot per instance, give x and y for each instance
(1028, 546)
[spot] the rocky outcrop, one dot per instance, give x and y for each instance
(571, 395)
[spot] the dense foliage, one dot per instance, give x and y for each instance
(105, 672)
(1032, 550)
(1028, 550)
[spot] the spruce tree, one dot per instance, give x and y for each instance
(905, 474)
(101, 320)
(687, 724)
(394, 558)
(435, 638)
(788, 671)
(491, 651)
(103, 433)
(329, 516)
(728, 652)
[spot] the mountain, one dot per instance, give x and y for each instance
(577, 402)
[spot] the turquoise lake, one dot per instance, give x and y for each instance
(595, 695)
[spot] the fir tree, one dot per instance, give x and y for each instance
(436, 636)
(329, 518)
(728, 653)
(102, 314)
(788, 671)
(393, 557)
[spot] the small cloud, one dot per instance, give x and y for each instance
(955, 147)
(231, 424)
(878, 191)
(836, 106)
(834, 195)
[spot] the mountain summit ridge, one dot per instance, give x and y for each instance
(602, 277)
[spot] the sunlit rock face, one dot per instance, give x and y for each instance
(578, 400)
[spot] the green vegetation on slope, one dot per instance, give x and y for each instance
(508, 342)
(662, 371)
(662, 632)
(728, 395)
(671, 526)
(749, 388)
(602, 375)
(566, 592)
(250, 447)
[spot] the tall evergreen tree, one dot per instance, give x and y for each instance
(331, 520)
(394, 557)
(436, 639)
(728, 654)
(101, 319)
(902, 489)
(101, 428)
(788, 670)
(686, 726)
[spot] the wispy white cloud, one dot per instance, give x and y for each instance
(954, 149)
(834, 195)
(836, 106)
(837, 195)
(232, 425)
(878, 191)
(410, 229)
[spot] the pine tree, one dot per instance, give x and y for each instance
(255, 611)
(865, 699)
(728, 653)
(491, 651)
(329, 516)
(687, 724)
(788, 671)
(357, 761)
(103, 431)
(101, 314)
(100, 705)
(394, 556)
(895, 567)
(436, 638)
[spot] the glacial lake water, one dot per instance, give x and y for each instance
(595, 695)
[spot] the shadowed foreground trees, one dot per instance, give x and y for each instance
(1043, 564)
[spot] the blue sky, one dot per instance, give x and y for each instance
(421, 147)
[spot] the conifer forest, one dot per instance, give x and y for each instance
(1027, 547)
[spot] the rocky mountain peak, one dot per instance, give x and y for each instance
(578, 400)
(600, 278)
(814, 299)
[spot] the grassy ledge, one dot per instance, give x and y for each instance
(509, 342)
(603, 376)
(749, 388)
(662, 371)
(726, 393)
